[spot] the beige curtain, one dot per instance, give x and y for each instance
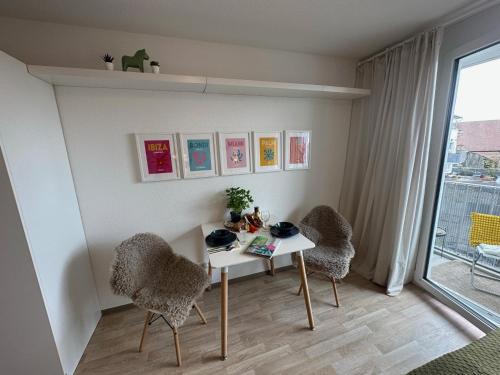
(384, 181)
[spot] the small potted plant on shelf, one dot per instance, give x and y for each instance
(108, 61)
(155, 67)
(238, 199)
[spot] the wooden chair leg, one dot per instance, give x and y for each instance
(272, 272)
(146, 323)
(300, 289)
(209, 287)
(202, 317)
(177, 347)
(335, 292)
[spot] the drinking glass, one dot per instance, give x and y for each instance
(243, 236)
(265, 215)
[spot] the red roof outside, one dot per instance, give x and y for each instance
(481, 137)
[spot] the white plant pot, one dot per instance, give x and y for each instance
(110, 66)
(156, 69)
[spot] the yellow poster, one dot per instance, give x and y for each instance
(268, 151)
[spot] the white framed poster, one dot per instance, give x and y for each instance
(198, 155)
(267, 151)
(158, 159)
(297, 149)
(234, 153)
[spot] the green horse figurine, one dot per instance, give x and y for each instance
(136, 61)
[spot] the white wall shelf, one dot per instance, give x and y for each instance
(171, 82)
(117, 79)
(266, 88)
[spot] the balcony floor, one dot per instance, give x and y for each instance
(455, 275)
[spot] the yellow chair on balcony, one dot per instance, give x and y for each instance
(485, 237)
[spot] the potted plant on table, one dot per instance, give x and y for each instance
(238, 199)
(155, 67)
(108, 61)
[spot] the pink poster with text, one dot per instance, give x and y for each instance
(236, 152)
(158, 156)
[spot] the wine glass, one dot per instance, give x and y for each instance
(265, 215)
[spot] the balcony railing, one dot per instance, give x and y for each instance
(458, 201)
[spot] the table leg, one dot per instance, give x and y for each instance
(223, 308)
(305, 287)
(209, 287)
(271, 267)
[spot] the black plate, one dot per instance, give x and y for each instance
(220, 237)
(284, 233)
(221, 233)
(284, 226)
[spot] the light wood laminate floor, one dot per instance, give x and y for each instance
(370, 333)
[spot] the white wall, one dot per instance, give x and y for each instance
(99, 125)
(36, 157)
(25, 331)
(63, 45)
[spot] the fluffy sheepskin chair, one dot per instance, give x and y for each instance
(331, 234)
(164, 284)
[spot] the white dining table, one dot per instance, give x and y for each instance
(225, 259)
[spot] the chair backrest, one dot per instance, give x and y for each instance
(484, 229)
(137, 260)
(329, 223)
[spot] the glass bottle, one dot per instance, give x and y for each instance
(257, 216)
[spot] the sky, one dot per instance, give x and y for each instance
(478, 94)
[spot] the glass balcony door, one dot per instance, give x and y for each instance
(469, 198)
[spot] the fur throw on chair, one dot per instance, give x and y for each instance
(332, 235)
(146, 270)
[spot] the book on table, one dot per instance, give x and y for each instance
(263, 246)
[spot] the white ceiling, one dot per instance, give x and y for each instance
(351, 28)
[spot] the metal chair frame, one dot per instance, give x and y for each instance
(477, 256)
(477, 237)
